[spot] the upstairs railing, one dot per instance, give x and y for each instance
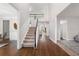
(36, 33)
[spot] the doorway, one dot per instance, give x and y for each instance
(4, 32)
(63, 30)
(6, 28)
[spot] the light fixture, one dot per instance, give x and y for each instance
(30, 9)
(63, 21)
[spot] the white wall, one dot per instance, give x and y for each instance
(13, 31)
(53, 29)
(72, 26)
(58, 8)
(54, 10)
(1, 27)
(14, 34)
(24, 25)
(7, 10)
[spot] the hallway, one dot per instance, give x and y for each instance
(45, 48)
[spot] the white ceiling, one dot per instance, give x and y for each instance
(38, 6)
(20, 6)
(71, 11)
(7, 10)
(33, 6)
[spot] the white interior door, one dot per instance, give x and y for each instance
(63, 29)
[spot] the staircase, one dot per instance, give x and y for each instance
(30, 38)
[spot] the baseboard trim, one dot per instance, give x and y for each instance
(67, 50)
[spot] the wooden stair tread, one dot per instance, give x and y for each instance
(29, 40)
(30, 35)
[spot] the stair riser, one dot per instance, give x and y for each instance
(30, 38)
(28, 45)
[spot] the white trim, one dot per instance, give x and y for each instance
(52, 39)
(70, 52)
(26, 30)
(55, 29)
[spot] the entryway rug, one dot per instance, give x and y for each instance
(3, 44)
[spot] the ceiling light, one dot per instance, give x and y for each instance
(30, 9)
(63, 21)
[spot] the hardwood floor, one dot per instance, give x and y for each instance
(9, 50)
(45, 48)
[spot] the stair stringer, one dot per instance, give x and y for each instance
(25, 28)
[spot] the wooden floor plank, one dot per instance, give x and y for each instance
(8, 50)
(45, 48)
